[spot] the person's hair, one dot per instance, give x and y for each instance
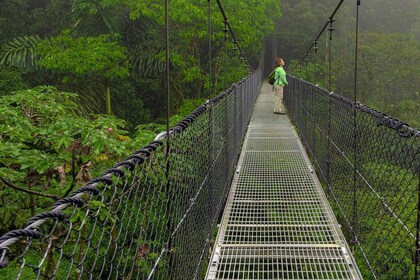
(279, 61)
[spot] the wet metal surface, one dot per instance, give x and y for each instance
(277, 223)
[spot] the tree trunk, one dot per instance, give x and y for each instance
(108, 98)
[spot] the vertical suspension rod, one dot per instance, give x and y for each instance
(330, 29)
(210, 41)
(225, 30)
(328, 163)
(354, 227)
(234, 60)
(168, 188)
(225, 19)
(167, 67)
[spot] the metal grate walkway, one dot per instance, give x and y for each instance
(277, 223)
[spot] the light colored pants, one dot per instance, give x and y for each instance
(278, 95)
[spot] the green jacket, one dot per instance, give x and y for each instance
(280, 77)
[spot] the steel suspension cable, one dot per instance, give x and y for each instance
(210, 52)
(354, 241)
(328, 175)
(226, 20)
(330, 29)
(168, 187)
(234, 61)
(225, 30)
(315, 41)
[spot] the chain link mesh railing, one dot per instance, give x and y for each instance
(369, 164)
(152, 216)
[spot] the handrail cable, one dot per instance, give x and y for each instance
(225, 30)
(355, 222)
(167, 171)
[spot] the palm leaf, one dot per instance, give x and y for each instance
(88, 12)
(91, 97)
(145, 61)
(21, 52)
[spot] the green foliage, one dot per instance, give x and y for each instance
(84, 55)
(147, 61)
(395, 185)
(145, 133)
(11, 79)
(190, 105)
(388, 53)
(21, 52)
(252, 21)
(299, 25)
(89, 62)
(43, 14)
(141, 8)
(189, 34)
(381, 67)
(13, 21)
(407, 108)
(44, 152)
(388, 78)
(311, 72)
(94, 17)
(100, 56)
(129, 105)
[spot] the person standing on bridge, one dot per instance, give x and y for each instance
(280, 82)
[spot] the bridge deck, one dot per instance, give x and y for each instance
(277, 223)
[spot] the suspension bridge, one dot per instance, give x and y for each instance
(328, 191)
(277, 223)
(153, 216)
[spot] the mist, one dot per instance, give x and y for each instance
(388, 51)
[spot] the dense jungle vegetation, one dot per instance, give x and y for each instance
(82, 81)
(82, 84)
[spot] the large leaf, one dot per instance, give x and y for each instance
(146, 61)
(88, 13)
(21, 52)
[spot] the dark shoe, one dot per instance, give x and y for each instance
(277, 113)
